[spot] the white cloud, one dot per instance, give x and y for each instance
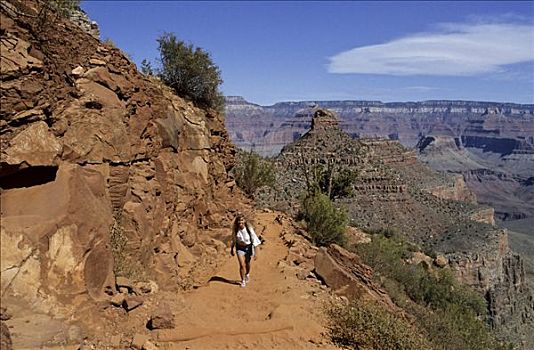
(455, 50)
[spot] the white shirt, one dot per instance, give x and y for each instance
(243, 236)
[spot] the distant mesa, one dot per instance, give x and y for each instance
(451, 136)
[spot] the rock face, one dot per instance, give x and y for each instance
(492, 136)
(501, 181)
(393, 191)
(103, 171)
(345, 273)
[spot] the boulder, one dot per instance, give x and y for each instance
(57, 241)
(348, 276)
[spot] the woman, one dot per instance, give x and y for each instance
(245, 241)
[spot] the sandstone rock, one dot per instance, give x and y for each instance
(148, 345)
(161, 319)
(122, 281)
(347, 275)
(72, 260)
(418, 258)
(115, 340)
(132, 302)
(118, 299)
(35, 146)
(78, 71)
(139, 340)
(15, 56)
(441, 261)
(149, 287)
(97, 62)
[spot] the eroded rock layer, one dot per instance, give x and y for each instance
(393, 191)
(103, 170)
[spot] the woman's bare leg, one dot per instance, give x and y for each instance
(242, 266)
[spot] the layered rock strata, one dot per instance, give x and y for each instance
(491, 137)
(393, 191)
(103, 171)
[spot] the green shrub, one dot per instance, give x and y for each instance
(331, 181)
(447, 311)
(146, 68)
(326, 223)
(368, 325)
(63, 7)
(190, 72)
(454, 329)
(50, 11)
(253, 172)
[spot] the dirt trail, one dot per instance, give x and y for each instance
(275, 311)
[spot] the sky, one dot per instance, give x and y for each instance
(389, 51)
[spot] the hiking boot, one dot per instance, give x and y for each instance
(243, 284)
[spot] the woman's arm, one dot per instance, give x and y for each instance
(233, 243)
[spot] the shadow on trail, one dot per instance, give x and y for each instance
(224, 280)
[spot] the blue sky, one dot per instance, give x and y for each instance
(275, 51)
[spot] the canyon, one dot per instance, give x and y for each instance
(117, 199)
(490, 144)
(393, 191)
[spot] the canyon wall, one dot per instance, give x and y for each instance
(104, 171)
(490, 144)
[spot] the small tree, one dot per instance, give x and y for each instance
(190, 71)
(252, 172)
(51, 10)
(63, 7)
(326, 223)
(146, 67)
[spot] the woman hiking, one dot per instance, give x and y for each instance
(245, 241)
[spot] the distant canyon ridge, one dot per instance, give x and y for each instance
(491, 144)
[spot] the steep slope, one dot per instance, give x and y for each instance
(393, 191)
(104, 172)
(277, 310)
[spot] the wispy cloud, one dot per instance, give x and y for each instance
(420, 88)
(454, 50)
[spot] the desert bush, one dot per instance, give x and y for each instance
(190, 72)
(252, 172)
(50, 11)
(368, 325)
(331, 181)
(454, 329)
(146, 67)
(326, 224)
(448, 312)
(63, 7)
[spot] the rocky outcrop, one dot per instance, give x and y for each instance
(80, 18)
(459, 136)
(499, 275)
(458, 191)
(347, 275)
(499, 181)
(392, 191)
(103, 171)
